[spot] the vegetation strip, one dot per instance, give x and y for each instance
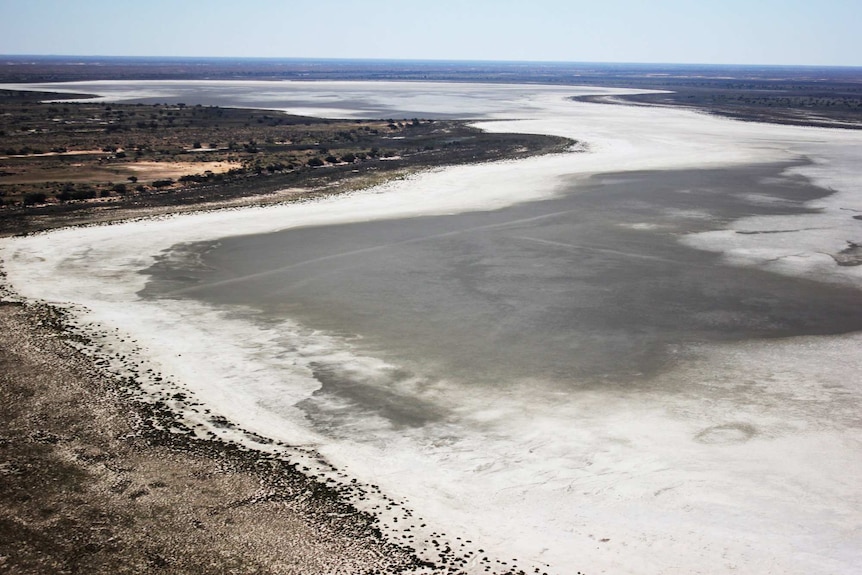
(67, 162)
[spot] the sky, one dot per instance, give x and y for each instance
(779, 32)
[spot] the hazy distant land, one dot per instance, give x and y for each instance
(806, 95)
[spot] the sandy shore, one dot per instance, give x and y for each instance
(88, 485)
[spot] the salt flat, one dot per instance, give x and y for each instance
(725, 438)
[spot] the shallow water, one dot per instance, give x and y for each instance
(590, 289)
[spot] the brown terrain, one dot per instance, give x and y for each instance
(87, 486)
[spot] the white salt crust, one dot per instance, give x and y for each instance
(746, 458)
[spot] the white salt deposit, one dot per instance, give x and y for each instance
(746, 459)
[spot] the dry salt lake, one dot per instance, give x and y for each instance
(641, 356)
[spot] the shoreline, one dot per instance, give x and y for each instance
(160, 499)
(217, 542)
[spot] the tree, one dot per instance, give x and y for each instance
(84, 194)
(33, 198)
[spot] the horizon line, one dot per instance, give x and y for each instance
(425, 60)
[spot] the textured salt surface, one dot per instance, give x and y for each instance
(569, 290)
(733, 455)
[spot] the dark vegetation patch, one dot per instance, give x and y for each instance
(798, 101)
